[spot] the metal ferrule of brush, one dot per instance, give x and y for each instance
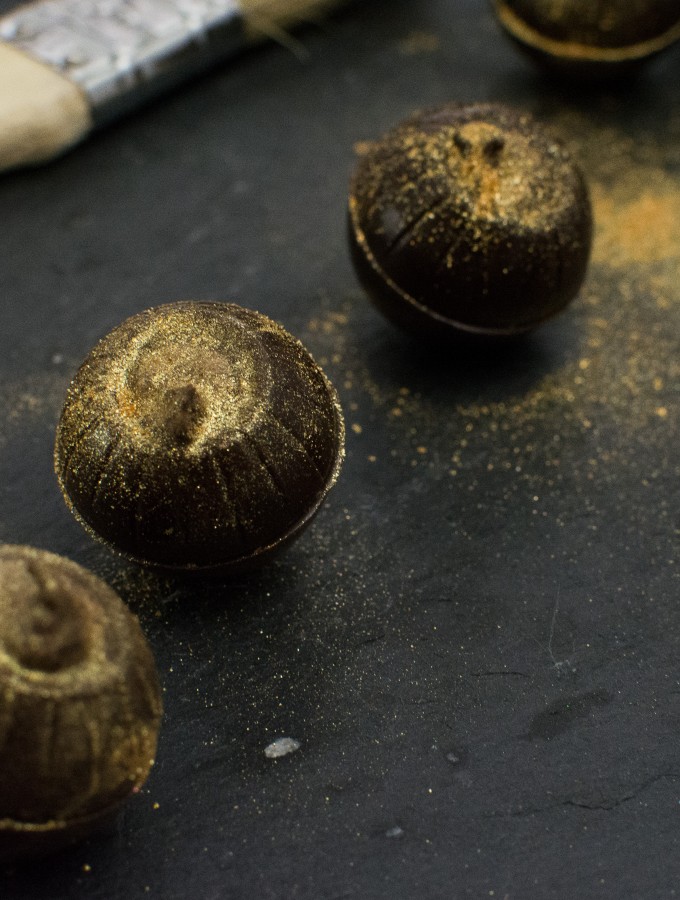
(124, 52)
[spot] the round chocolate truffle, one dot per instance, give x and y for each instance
(198, 436)
(594, 39)
(80, 703)
(469, 219)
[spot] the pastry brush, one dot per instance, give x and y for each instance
(68, 66)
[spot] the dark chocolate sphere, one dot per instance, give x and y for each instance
(592, 38)
(469, 219)
(80, 702)
(198, 436)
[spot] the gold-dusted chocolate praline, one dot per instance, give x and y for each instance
(80, 703)
(198, 436)
(594, 39)
(469, 219)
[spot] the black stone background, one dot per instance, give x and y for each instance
(481, 669)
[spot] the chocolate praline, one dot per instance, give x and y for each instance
(592, 40)
(80, 702)
(469, 219)
(198, 436)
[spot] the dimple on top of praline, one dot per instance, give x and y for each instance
(187, 379)
(478, 163)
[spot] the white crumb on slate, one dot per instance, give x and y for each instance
(395, 832)
(281, 747)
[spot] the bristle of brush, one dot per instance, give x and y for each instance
(267, 16)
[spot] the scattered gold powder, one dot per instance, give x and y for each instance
(419, 43)
(31, 396)
(361, 148)
(640, 228)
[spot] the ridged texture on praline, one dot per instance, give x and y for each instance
(198, 436)
(586, 33)
(80, 701)
(469, 218)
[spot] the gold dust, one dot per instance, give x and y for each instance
(419, 43)
(637, 227)
(26, 399)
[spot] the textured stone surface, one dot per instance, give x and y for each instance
(476, 641)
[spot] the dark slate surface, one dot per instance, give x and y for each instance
(476, 642)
